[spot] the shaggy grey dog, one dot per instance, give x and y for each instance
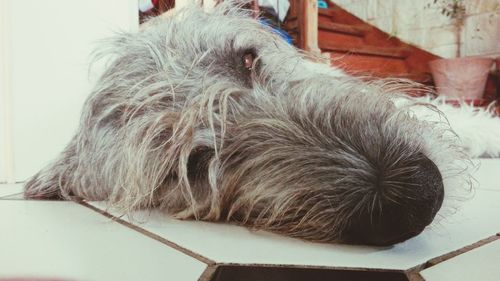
(214, 117)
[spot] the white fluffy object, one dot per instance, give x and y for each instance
(477, 128)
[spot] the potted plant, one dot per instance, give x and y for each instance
(460, 77)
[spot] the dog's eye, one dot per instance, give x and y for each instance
(248, 59)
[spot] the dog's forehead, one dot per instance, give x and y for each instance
(220, 28)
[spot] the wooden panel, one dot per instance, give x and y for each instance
(327, 13)
(343, 28)
(339, 15)
(391, 52)
(327, 36)
(375, 65)
(323, 17)
(308, 26)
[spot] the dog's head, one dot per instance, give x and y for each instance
(268, 136)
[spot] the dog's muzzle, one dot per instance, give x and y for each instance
(394, 221)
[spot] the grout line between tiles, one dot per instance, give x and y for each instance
(145, 232)
(212, 266)
(462, 250)
(414, 273)
(12, 196)
(208, 273)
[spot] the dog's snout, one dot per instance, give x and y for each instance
(402, 210)
(430, 183)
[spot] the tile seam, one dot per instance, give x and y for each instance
(151, 235)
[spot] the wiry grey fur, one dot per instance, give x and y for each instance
(291, 146)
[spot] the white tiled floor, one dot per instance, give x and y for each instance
(487, 176)
(477, 219)
(67, 241)
(64, 239)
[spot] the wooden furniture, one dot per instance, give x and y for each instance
(306, 12)
(359, 48)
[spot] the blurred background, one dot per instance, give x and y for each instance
(45, 49)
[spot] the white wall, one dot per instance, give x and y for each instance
(50, 46)
(5, 153)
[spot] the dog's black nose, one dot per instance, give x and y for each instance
(403, 204)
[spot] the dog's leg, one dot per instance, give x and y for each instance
(51, 182)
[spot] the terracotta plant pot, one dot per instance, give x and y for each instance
(462, 78)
